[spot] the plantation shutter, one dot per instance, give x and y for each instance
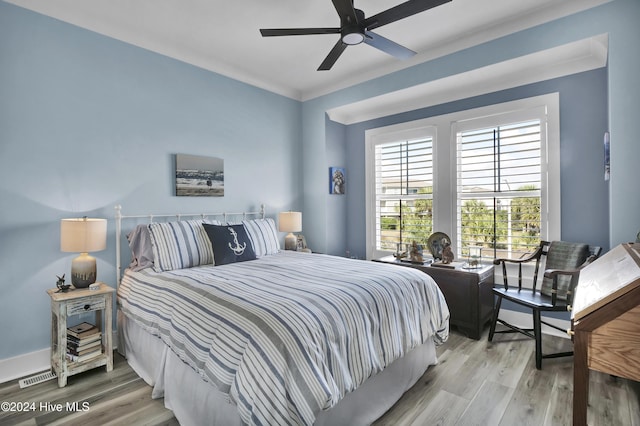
(404, 192)
(499, 188)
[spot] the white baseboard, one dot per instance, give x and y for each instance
(24, 365)
(525, 320)
(30, 363)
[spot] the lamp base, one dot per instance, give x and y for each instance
(83, 271)
(290, 242)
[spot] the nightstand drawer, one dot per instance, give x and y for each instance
(85, 305)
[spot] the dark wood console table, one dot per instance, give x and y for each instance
(468, 293)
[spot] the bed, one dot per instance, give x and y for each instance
(280, 337)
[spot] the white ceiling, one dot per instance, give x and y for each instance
(224, 36)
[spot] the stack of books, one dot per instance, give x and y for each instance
(84, 341)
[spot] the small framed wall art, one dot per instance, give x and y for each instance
(198, 176)
(337, 180)
(607, 156)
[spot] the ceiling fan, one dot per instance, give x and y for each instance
(355, 28)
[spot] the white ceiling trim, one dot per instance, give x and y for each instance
(463, 41)
(571, 58)
(223, 37)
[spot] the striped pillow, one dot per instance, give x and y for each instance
(178, 245)
(263, 236)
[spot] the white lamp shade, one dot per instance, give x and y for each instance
(83, 235)
(290, 222)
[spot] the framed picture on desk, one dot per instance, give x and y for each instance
(301, 243)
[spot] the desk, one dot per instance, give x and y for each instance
(605, 326)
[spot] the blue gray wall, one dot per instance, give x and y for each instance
(338, 227)
(87, 122)
(583, 121)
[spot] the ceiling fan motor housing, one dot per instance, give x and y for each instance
(352, 33)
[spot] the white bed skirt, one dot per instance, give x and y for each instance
(195, 402)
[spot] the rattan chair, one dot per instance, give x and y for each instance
(562, 269)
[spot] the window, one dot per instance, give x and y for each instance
(487, 177)
(404, 192)
(402, 195)
(499, 171)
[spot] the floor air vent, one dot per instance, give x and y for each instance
(38, 378)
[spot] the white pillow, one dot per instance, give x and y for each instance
(263, 236)
(180, 244)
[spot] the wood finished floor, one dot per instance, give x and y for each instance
(475, 383)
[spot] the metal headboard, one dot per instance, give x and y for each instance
(177, 216)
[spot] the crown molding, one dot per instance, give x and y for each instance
(570, 58)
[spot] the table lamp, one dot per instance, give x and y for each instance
(83, 235)
(290, 222)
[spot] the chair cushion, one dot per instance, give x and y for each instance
(563, 255)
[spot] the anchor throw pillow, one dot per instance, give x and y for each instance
(231, 243)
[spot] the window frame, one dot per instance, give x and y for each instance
(402, 137)
(443, 129)
(390, 134)
(496, 121)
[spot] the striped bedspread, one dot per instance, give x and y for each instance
(287, 335)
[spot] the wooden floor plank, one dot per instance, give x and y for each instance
(530, 401)
(148, 414)
(473, 373)
(605, 399)
(443, 409)
(488, 405)
(427, 388)
(107, 408)
(633, 396)
(560, 401)
(509, 360)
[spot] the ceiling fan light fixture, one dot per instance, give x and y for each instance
(352, 37)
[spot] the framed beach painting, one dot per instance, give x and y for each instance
(198, 176)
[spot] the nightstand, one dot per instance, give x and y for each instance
(75, 302)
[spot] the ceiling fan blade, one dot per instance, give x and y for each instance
(401, 11)
(297, 31)
(333, 56)
(346, 11)
(387, 46)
